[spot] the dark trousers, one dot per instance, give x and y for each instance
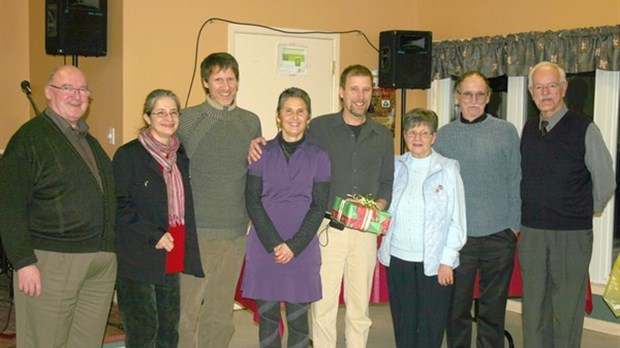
(554, 267)
(150, 312)
(269, 324)
(419, 305)
(493, 257)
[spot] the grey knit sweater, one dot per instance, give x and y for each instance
(488, 153)
(217, 140)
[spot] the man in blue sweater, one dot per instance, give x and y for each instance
(487, 149)
(567, 178)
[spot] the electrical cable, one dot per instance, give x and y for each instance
(4, 335)
(264, 27)
(6, 325)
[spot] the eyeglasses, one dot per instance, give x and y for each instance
(552, 87)
(470, 96)
(414, 134)
(164, 114)
(70, 90)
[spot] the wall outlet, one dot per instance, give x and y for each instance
(111, 136)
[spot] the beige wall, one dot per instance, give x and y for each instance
(23, 57)
(161, 54)
(151, 43)
(450, 19)
(14, 64)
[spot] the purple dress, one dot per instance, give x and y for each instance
(286, 197)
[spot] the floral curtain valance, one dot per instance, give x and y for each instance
(576, 50)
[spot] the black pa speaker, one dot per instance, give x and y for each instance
(76, 27)
(405, 59)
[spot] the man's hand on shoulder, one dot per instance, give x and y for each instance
(29, 280)
(256, 151)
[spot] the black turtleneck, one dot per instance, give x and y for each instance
(290, 148)
(477, 120)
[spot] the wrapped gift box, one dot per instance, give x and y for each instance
(361, 214)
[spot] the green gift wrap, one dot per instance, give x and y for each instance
(361, 213)
(611, 296)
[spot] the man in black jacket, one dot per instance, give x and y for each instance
(57, 211)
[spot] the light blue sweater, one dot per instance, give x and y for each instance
(408, 244)
(444, 213)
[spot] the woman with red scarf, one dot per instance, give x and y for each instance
(155, 228)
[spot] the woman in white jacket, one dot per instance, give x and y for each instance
(421, 247)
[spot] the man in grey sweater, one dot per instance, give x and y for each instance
(487, 149)
(216, 135)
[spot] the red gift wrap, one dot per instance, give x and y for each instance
(361, 213)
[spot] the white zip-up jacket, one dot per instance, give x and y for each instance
(445, 226)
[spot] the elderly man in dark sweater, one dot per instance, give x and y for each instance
(567, 177)
(216, 135)
(57, 212)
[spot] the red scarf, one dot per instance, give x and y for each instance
(166, 156)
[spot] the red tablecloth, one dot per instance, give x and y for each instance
(379, 292)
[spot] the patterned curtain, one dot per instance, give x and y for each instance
(576, 50)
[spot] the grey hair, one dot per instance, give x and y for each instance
(294, 92)
(418, 116)
(58, 69)
(546, 64)
(458, 82)
(157, 94)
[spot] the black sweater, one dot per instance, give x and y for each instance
(556, 189)
(49, 198)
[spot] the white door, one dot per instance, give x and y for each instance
(263, 75)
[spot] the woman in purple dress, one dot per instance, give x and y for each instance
(286, 197)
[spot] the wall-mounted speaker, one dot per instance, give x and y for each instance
(76, 27)
(405, 59)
